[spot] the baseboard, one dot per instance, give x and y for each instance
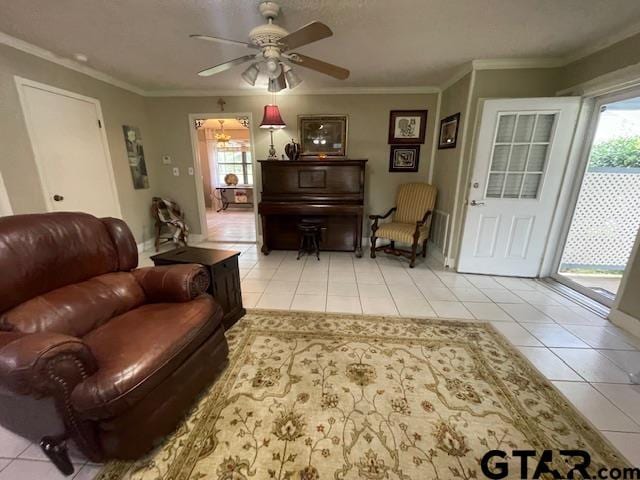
(146, 245)
(625, 321)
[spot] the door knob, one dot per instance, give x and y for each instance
(475, 204)
(58, 198)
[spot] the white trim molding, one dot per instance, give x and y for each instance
(5, 203)
(66, 62)
(261, 92)
(625, 321)
(517, 63)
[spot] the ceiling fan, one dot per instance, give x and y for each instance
(275, 56)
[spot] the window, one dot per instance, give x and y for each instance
(234, 160)
(519, 156)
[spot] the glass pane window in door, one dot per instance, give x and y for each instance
(518, 158)
(524, 128)
(506, 124)
(531, 185)
(537, 158)
(512, 185)
(522, 144)
(494, 185)
(544, 127)
(500, 158)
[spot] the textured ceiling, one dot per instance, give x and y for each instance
(383, 43)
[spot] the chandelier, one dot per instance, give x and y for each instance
(221, 137)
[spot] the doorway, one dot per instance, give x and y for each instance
(605, 221)
(225, 157)
(70, 147)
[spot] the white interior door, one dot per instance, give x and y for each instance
(70, 150)
(522, 150)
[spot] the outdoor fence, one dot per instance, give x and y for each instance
(606, 220)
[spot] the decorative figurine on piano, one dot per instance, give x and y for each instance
(292, 150)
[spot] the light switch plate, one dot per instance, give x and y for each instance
(176, 171)
(190, 170)
(166, 159)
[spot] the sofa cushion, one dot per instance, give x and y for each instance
(76, 309)
(136, 351)
(400, 232)
(42, 252)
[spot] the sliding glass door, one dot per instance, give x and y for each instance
(606, 217)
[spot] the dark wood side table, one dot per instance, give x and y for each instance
(223, 270)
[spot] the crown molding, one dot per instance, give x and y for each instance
(66, 62)
(319, 91)
(509, 63)
(603, 43)
(460, 73)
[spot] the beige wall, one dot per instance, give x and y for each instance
(619, 55)
(447, 161)
(119, 107)
(367, 137)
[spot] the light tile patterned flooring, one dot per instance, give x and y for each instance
(584, 355)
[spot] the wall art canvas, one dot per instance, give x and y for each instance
(135, 155)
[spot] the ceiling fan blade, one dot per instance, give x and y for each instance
(226, 41)
(225, 66)
(310, 33)
(320, 66)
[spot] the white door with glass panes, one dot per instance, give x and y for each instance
(521, 154)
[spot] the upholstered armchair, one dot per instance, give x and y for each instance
(410, 222)
(93, 349)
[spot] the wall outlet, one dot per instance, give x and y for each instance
(190, 170)
(166, 159)
(176, 171)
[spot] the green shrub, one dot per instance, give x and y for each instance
(622, 152)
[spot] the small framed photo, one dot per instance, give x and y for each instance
(449, 131)
(322, 135)
(404, 158)
(407, 127)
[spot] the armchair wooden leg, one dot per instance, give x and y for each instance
(373, 246)
(414, 249)
(55, 448)
(157, 237)
(424, 249)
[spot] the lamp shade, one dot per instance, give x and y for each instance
(272, 118)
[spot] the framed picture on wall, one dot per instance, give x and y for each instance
(449, 131)
(322, 135)
(404, 158)
(135, 155)
(407, 127)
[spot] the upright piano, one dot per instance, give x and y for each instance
(327, 191)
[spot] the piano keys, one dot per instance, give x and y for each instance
(327, 191)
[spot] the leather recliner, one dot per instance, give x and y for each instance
(93, 348)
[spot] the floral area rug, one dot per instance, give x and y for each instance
(310, 396)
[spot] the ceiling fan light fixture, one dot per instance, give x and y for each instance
(293, 79)
(277, 84)
(250, 75)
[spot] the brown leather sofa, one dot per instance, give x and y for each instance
(92, 348)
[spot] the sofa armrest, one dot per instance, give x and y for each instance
(172, 283)
(44, 364)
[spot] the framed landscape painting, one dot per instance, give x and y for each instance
(407, 126)
(322, 135)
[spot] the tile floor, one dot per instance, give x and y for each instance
(583, 355)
